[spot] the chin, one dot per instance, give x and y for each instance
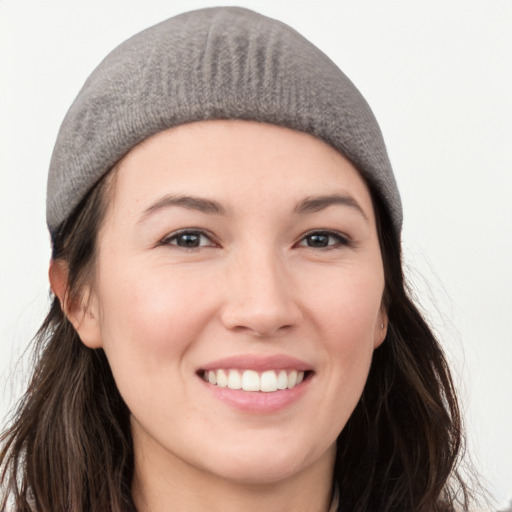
(266, 471)
(257, 466)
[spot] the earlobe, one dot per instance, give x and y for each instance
(82, 310)
(381, 328)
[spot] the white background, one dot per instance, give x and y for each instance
(438, 75)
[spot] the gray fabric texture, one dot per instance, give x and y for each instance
(215, 63)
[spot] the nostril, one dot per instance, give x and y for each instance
(263, 331)
(274, 320)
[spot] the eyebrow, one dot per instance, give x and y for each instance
(189, 202)
(318, 203)
(209, 206)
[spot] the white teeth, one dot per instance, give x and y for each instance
(234, 380)
(222, 379)
(282, 380)
(249, 380)
(268, 382)
(292, 379)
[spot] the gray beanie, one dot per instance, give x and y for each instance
(216, 63)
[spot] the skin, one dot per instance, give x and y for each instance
(254, 286)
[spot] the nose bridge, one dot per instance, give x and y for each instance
(260, 297)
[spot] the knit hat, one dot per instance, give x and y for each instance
(215, 63)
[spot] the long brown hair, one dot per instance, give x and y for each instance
(400, 448)
(69, 446)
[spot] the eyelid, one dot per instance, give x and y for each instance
(343, 239)
(166, 240)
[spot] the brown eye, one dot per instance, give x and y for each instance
(318, 240)
(188, 240)
(323, 239)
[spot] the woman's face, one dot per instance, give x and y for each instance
(243, 254)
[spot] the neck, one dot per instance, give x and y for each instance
(185, 488)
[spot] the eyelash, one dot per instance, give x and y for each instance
(174, 237)
(340, 240)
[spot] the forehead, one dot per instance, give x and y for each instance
(238, 162)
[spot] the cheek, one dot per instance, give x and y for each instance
(346, 314)
(149, 317)
(349, 308)
(150, 326)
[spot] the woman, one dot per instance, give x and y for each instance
(230, 328)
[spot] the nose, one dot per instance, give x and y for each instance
(261, 299)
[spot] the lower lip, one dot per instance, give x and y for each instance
(259, 401)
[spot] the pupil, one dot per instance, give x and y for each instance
(188, 240)
(318, 240)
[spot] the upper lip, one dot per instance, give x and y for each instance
(258, 363)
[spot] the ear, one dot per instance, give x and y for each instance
(381, 327)
(82, 311)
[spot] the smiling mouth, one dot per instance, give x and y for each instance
(268, 381)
